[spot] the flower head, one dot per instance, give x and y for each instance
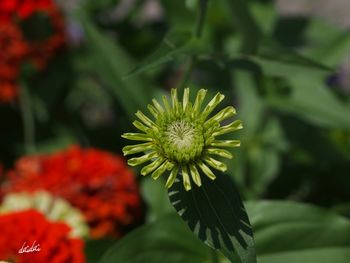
(52, 240)
(96, 182)
(30, 31)
(182, 138)
(54, 208)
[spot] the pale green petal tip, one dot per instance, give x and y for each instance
(186, 178)
(158, 106)
(140, 160)
(206, 170)
(226, 143)
(152, 110)
(174, 98)
(195, 175)
(172, 176)
(161, 169)
(220, 152)
(185, 98)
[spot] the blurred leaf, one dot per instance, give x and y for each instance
(293, 232)
(251, 107)
(94, 249)
(175, 44)
(245, 24)
(265, 16)
(166, 240)
(111, 63)
(323, 255)
(326, 42)
(215, 213)
(284, 232)
(264, 155)
(276, 60)
(312, 100)
(155, 196)
(334, 51)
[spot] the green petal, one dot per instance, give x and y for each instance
(198, 102)
(185, 98)
(223, 114)
(140, 160)
(234, 126)
(226, 143)
(145, 119)
(137, 136)
(172, 176)
(161, 169)
(195, 175)
(186, 178)
(158, 106)
(219, 152)
(215, 164)
(174, 98)
(153, 110)
(166, 103)
(152, 166)
(140, 126)
(212, 104)
(131, 149)
(206, 170)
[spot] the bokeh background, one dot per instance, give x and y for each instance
(73, 73)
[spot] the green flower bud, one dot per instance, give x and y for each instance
(182, 139)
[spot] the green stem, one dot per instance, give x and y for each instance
(27, 119)
(245, 24)
(203, 8)
(187, 73)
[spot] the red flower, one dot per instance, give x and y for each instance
(97, 182)
(13, 50)
(48, 241)
(8, 91)
(15, 45)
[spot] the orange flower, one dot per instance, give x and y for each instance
(97, 182)
(28, 237)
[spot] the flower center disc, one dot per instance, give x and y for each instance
(184, 141)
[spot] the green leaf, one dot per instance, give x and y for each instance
(293, 232)
(166, 240)
(276, 60)
(329, 43)
(94, 249)
(285, 232)
(215, 213)
(245, 24)
(323, 255)
(312, 100)
(111, 63)
(175, 44)
(155, 195)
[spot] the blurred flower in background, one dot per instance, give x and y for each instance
(52, 238)
(94, 181)
(13, 50)
(30, 31)
(54, 208)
